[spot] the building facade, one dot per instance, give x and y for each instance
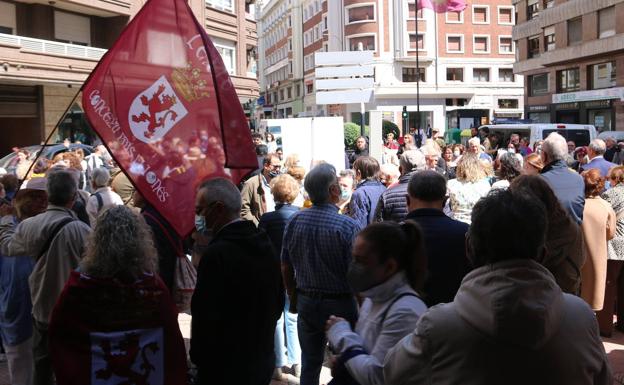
(465, 59)
(570, 52)
(47, 50)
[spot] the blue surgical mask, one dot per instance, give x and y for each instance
(345, 194)
(200, 223)
(607, 185)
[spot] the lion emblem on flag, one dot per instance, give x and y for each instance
(155, 111)
(133, 357)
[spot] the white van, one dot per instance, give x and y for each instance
(580, 134)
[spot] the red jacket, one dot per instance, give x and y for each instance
(103, 331)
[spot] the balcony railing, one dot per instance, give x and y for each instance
(52, 47)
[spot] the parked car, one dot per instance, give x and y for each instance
(580, 134)
(49, 152)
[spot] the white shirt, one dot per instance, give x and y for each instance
(109, 199)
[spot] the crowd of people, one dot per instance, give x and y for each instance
(497, 262)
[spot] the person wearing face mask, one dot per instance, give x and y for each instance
(509, 323)
(238, 297)
(256, 192)
(389, 275)
(346, 180)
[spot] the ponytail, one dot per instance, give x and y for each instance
(406, 246)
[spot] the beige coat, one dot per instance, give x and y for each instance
(598, 227)
(253, 199)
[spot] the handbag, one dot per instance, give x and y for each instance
(184, 276)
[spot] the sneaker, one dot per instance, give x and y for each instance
(296, 368)
(278, 374)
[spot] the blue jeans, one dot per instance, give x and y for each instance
(313, 313)
(292, 340)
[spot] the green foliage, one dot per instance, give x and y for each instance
(352, 132)
(388, 126)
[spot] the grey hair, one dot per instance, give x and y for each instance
(224, 191)
(121, 246)
(412, 160)
(555, 147)
(598, 146)
(318, 182)
(62, 186)
(348, 173)
(475, 140)
(100, 177)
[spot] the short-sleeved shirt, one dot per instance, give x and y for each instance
(317, 243)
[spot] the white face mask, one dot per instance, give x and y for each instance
(456, 153)
(512, 150)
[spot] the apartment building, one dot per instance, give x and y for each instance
(465, 59)
(48, 48)
(570, 52)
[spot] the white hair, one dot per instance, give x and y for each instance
(476, 141)
(598, 146)
(100, 177)
(555, 147)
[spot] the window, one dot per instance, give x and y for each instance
(508, 103)
(480, 14)
(505, 45)
(602, 75)
(481, 74)
(361, 14)
(224, 5)
(606, 22)
(289, 92)
(549, 39)
(538, 84)
(410, 75)
(532, 9)
(455, 74)
(290, 44)
(568, 80)
(416, 41)
(454, 17)
(281, 92)
(298, 90)
(534, 47)
(324, 23)
(71, 28)
(549, 4)
(575, 31)
(481, 44)
(505, 15)
(227, 52)
(367, 43)
(411, 10)
(7, 18)
(506, 75)
(309, 88)
(454, 44)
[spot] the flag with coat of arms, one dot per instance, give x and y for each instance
(442, 6)
(163, 103)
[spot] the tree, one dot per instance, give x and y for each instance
(352, 132)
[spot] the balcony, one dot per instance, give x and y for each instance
(48, 47)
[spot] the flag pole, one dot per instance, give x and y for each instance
(417, 72)
(56, 126)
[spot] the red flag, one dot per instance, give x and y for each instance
(162, 101)
(442, 6)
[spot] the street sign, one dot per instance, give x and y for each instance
(344, 77)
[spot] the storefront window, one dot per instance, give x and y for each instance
(602, 75)
(539, 117)
(538, 84)
(601, 119)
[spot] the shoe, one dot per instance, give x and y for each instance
(278, 374)
(296, 368)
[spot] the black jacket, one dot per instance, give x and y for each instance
(392, 204)
(445, 246)
(235, 306)
(168, 244)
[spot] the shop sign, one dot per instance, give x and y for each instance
(567, 106)
(582, 96)
(598, 104)
(539, 108)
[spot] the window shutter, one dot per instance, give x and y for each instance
(73, 28)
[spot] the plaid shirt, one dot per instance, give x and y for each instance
(317, 243)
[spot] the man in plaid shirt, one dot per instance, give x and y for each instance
(317, 250)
